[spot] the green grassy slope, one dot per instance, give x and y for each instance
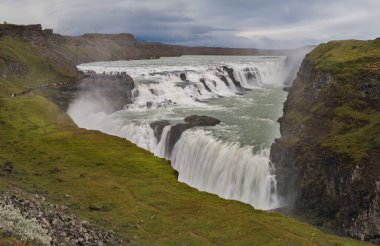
(137, 194)
(35, 70)
(341, 56)
(355, 126)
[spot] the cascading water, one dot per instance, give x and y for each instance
(231, 159)
(188, 85)
(225, 169)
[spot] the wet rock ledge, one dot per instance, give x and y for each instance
(177, 129)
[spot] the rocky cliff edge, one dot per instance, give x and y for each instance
(328, 157)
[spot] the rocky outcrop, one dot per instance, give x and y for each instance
(113, 91)
(230, 72)
(158, 127)
(190, 122)
(327, 159)
(203, 81)
(29, 33)
(176, 130)
(9, 67)
(183, 77)
(61, 226)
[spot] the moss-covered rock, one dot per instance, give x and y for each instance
(328, 157)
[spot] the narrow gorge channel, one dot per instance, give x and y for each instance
(213, 117)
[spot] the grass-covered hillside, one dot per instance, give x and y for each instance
(329, 151)
(111, 182)
(352, 69)
(22, 66)
(355, 129)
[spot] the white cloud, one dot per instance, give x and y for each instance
(304, 30)
(239, 23)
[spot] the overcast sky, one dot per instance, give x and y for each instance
(228, 23)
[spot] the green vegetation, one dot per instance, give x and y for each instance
(343, 56)
(354, 129)
(31, 68)
(137, 193)
(355, 132)
(356, 123)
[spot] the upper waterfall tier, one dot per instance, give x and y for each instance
(162, 83)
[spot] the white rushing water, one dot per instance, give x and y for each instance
(231, 159)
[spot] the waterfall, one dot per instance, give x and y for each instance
(204, 161)
(226, 169)
(166, 86)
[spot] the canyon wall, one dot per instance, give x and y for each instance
(328, 157)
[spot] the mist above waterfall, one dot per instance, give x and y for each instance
(293, 63)
(230, 159)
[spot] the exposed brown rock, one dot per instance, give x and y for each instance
(63, 227)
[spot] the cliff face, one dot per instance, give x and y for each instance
(328, 157)
(9, 66)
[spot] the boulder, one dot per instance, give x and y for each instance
(197, 120)
(183, 77)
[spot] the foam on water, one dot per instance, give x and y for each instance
(162, 86)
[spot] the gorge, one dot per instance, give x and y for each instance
(213, 117)
(327, 159)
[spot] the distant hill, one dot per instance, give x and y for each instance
(102, 47)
